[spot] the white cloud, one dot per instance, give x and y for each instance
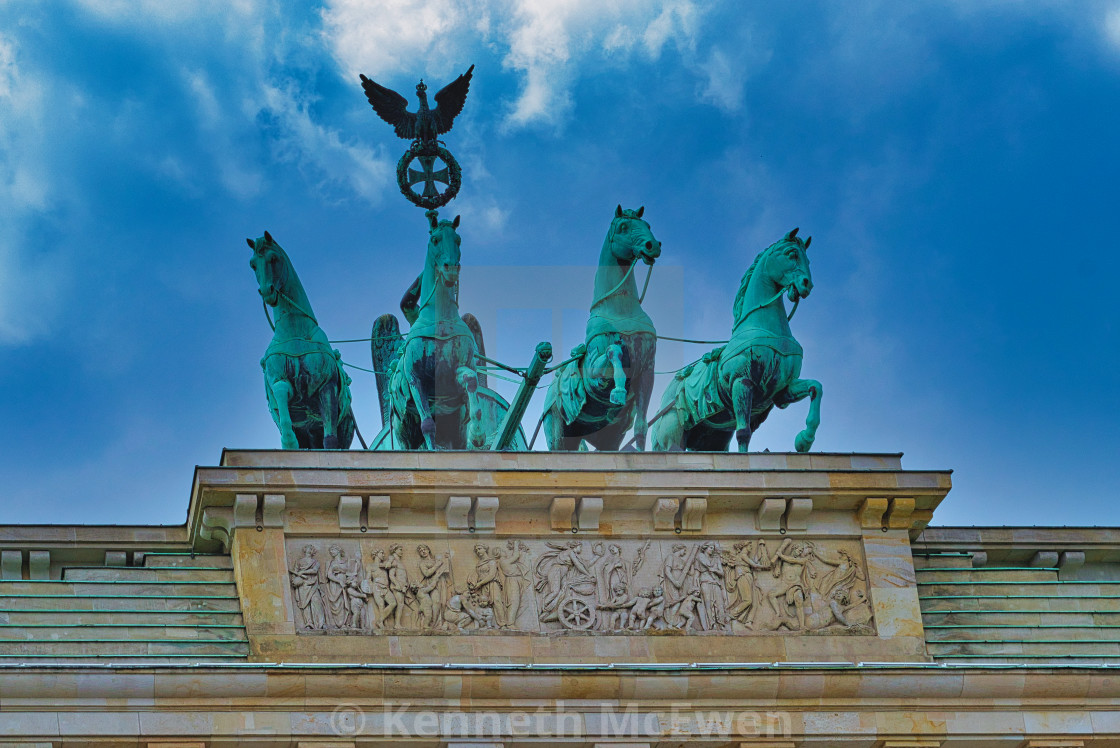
(723, 84)
(1112, 26)
(32, 279)
(547, 42)
(392, 36)
(309, 144)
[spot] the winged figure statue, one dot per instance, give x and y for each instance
(425, 123)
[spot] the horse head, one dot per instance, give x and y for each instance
(270, 263)
(443, 249)
(788, 265)
(631, 238)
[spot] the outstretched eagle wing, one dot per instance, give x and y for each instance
(449, 101)
(393, 108)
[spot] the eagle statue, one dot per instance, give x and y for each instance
(425, 123)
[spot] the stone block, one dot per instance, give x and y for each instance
(272, 511)
(770, 513)
(39, 564)
(116, 558)
(485, 513)
(11, 565)
(561, 513)
(692, 514)
(979, 559)
(1069, 562)
(899, 512)
(797, 516)
(664, 514)
(456, 511)
(1045, 559)
(377, 513)
(587, 513)
(349, 513)
(871, 513)
(245, 510)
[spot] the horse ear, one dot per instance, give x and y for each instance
(808, 242)
(641, 210)
(433, 217)
(268, 237)
(455, 223)
(792, 234)
(252, 244)
(618, 212)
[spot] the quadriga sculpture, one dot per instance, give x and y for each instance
(431, 394)
(308, 391)
(596, 397)
(732, 389)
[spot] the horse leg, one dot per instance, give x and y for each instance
(741, 397)
(468, 380)
(799, 389)
(643, 393)
(328, 411)
(282, 393)
(427, 423)
(614, 356)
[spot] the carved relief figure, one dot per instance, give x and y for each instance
(433, 590)
(485, 585)
(337, 604)
(740, 583)
(557, 569)
(306, 592)
(379, 595)
(397, 579)
(513, 565)
(710, 580)
(791, 568)
(357, 601)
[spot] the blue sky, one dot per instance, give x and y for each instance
(955, 163)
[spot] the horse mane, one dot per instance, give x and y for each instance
(745, 282)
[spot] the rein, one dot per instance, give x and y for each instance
(614, 290)
(291, 301)
(773, 298)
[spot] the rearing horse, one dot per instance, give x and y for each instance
(308, 391)
(732, 389)
(595, 397)
(435, 375)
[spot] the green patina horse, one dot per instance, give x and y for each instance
(597, 396)
(732, 389)
(308, 391)
(431, 398)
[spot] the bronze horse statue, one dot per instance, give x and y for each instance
(428, 381)
(733, 388)
(308, 391)
(595, 398)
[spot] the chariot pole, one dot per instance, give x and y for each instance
(541, 356)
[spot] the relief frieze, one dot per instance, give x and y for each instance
(593, 585)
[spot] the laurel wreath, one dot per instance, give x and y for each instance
(454, 175)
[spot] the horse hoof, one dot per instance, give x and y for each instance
(618, 396)
(330, 442)
(428, 426)
(803, 442)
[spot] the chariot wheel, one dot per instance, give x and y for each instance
(576, 614)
